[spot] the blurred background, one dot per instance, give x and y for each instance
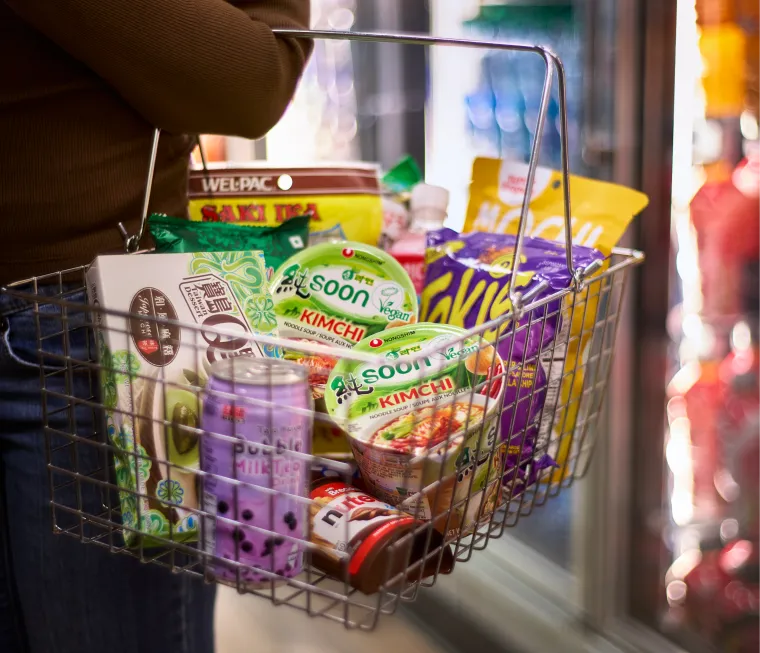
(657, 549)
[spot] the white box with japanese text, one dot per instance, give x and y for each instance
(153, 370)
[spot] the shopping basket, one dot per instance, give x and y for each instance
(101, 474)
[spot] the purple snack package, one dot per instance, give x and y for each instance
(519, 479)
(467, 282)
(524, 398)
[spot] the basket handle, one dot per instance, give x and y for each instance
(553, 65)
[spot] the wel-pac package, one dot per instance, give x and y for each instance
(344, 202)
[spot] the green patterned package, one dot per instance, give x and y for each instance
(340, 293)
(179, 236)
(153, 370)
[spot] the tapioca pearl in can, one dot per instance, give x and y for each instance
(257, 418)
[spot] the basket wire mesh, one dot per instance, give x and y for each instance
(96, 471)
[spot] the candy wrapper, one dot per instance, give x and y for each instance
(467, 284)
(178, 236)
(601, 212)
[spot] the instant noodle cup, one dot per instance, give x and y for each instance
(423, 422)
(337, 294)
(340, 293)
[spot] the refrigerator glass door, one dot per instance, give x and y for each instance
(485, 104)
(694, 534)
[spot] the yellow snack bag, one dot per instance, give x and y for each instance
(344, 202)
(600, 214)
(601, 211)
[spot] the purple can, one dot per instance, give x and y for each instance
(257, 422)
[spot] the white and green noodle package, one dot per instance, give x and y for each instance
(426, 412)
(154, 370)
(341, 293)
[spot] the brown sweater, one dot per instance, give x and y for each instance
(83, 82)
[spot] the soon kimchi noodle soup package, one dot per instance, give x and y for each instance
(425, 417)
(337, 294)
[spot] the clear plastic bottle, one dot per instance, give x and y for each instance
(428, 207)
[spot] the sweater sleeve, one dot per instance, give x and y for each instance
(188, 66)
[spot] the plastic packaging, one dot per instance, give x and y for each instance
(177, 236)
(428, 212)
(340, 293)
(467, 284)
(601, 213)
(343, 201)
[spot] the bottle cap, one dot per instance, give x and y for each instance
(751, 149)
(425, 196)
(747, 174)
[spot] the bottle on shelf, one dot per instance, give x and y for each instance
(703, 405)
(428, 209)
(739, 375)
(726, 218)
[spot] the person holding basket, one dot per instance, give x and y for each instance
(82, 86)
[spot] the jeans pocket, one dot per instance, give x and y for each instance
(48, 335)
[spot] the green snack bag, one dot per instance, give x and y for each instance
(402, 177)
(180, 236)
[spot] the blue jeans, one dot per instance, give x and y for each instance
(56, 594)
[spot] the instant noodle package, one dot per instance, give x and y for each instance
(338, 294)
(425, 418)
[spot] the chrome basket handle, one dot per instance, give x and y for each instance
(132, 243)
(553, 65)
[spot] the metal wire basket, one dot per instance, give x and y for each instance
(121, 436)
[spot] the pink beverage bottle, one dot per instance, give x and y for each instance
(725, 216)
(257, 422)
(428, 207)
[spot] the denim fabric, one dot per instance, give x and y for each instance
(56, 594)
